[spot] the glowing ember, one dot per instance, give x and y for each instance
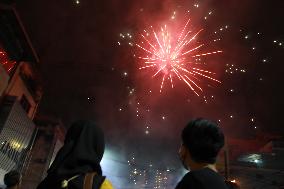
(174, 56)
(6, 63)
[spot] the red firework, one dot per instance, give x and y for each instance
(5, 61)
(173, 56)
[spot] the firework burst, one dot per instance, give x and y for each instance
(7, 64)
(173, 57)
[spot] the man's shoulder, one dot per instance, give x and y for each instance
(204, 178)
(209, 174)
(188, 181)
(188, 176)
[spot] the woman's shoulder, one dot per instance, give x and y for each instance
(106, 185)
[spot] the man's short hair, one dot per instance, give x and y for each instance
(204, 139)
(12, 178)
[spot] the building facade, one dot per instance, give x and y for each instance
(20, 92)
(48, 141)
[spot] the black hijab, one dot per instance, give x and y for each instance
(82, 152)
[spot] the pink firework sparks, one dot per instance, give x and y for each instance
(7, 64)
(173, 56)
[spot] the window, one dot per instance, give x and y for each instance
(25, 104)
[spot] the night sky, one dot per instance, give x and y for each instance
(87, 74)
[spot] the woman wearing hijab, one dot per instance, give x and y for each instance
(77, 164)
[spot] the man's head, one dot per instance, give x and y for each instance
(201, 142)
(12, 179)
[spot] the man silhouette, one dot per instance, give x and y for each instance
(13, 180)
(201, 142)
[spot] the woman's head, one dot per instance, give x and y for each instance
(82, 151)
(87, 135)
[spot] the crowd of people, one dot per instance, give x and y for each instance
(77, 164)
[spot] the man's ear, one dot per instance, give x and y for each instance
(183, 155)
(182, 152)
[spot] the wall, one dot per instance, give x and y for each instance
(18, 88)
(4, 78)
